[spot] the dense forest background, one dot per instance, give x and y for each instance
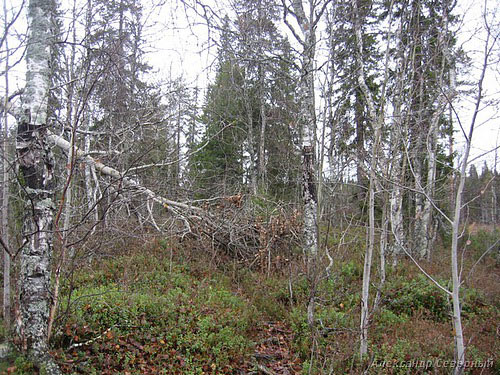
(320, 206)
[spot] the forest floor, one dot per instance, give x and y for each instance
(164, 307)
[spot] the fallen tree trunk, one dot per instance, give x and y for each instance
(119, 176)
(237, 234)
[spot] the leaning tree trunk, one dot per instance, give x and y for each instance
(36, 171)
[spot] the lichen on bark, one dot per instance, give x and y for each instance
(36, 166)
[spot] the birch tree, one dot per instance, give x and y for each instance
(490, 48)
(36, 171)
(9, 45)
(5, 185)
(307, 14)
(377, 120)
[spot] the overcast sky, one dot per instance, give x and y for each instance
(179, 43)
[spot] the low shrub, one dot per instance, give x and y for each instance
(160, 320)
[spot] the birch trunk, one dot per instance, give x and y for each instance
(419, 235)
(396, 208)
(251, 143)
(261, 166)
(427, 228)
(398, 165)
(119, 176)
(91, 182)
(36, 170)
(66, 199)
(307, 118)
(377, 119)
(5, 189)
(457, 317)
(371, 187)
(425, 235)
(261, 171)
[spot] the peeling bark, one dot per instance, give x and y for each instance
(36, 171)
(307, 118)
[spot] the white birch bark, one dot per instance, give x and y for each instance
(90, 178)
(457, 311)
(307, 121)
(372, 185)
(251, 143)
(377, 120)
(396, 208)
(425, 236)
(119, 176)
(490, 42)
(5, 189)
(398, 165)
(261, 168)
(36, 169)
(91, 182)
(307, 118)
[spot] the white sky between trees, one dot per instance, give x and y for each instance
(178, 43)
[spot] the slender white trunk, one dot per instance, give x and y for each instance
(427, 226)
(262, 142)
(5, 226)
(251, 144)
(396, 199)
(398, 161)
(119, 176)
(457, 318)
(397, 213)
(383, 247)
(5, 189)
(90, 176)
(371, 187)
(377, 120)
(419, 235)
(425, 236)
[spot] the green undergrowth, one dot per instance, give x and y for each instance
(148, 313)
(141, 314)
(412, 322)
(17, 364)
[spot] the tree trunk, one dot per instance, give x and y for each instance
(307, 117)
(36, 170)
(251, 143)
(5, 190)
(396, 208)
(457, 317)
(377, 120)
(427, 226)
(261, 172)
